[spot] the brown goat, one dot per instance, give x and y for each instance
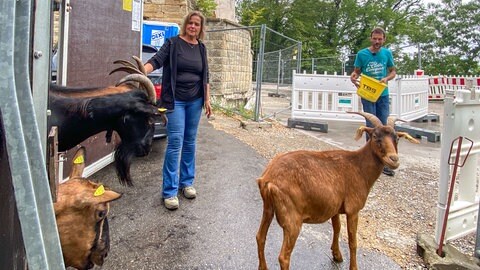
(81, 212)
(313, 187)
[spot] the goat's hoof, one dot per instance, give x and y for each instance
(337, 257)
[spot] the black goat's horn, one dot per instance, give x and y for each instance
(140, 65)
(145, 81)
(125, 63)
(370, 117)
(128, 69)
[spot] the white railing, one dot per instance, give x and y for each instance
(329, 97)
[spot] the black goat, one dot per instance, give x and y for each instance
(82, 112)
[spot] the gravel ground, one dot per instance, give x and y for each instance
(397, 208)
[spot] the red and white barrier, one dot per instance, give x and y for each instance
(440, 86)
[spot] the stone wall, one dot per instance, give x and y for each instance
(230, 63)
(166, 10)
(225, 10)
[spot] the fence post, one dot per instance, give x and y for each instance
(279, 69)
(299, 56)
(259, 74)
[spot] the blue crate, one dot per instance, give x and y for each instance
(155, 33)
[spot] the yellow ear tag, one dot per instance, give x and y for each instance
(99, 191)
(78, 160)
(162, 110)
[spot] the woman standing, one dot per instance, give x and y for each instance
(185, 89)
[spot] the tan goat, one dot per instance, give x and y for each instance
(313, 187)
(81, 212)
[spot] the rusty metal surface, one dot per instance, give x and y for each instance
(100, 32)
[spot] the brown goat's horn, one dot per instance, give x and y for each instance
(145, 81)
(391, 121)
(370, 117)
(129, 70)
(140, 65)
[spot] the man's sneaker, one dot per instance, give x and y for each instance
(189, 192)
(171, 203)
(388, 171)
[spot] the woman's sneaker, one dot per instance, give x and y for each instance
(171, 203)
(189, 192)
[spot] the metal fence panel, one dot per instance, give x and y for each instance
(25, 156)
(272, 57)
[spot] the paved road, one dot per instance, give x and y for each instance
(216, 230)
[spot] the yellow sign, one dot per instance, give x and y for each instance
(127, 5)
(78, 160)
(99, 191)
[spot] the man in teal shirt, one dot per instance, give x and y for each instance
(377, 62)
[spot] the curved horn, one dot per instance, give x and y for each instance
(145, 81)
(140, 65)
(125, 63)
(127, 69)
(370, 117)
(391, 121)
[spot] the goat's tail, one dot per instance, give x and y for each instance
(274, 199)
(263, 187)
(271, 195)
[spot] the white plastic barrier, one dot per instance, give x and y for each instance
(461, 118)
(329, 97)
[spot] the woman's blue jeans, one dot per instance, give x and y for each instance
(179, 162)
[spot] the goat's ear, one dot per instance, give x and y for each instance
(407, 137)
(162, 112)
(102, 194)
(78, 163)
(147, 108)
(360, 130)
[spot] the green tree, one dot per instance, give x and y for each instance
(451, 42)
(448, 32)
(207, 7)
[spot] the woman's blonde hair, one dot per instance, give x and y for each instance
(187, 18)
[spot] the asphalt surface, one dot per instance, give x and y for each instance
(217, 229)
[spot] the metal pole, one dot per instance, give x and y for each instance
(260, 72)
(279, 68)
(313, 64)
(41, 64)
(477, 239)
(299, 57)
(419, 57)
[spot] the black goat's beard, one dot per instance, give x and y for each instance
(123, 159)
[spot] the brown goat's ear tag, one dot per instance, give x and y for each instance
(78, 160)
(162, 110)
(78, 164)
(99, 191)
(103, 195)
